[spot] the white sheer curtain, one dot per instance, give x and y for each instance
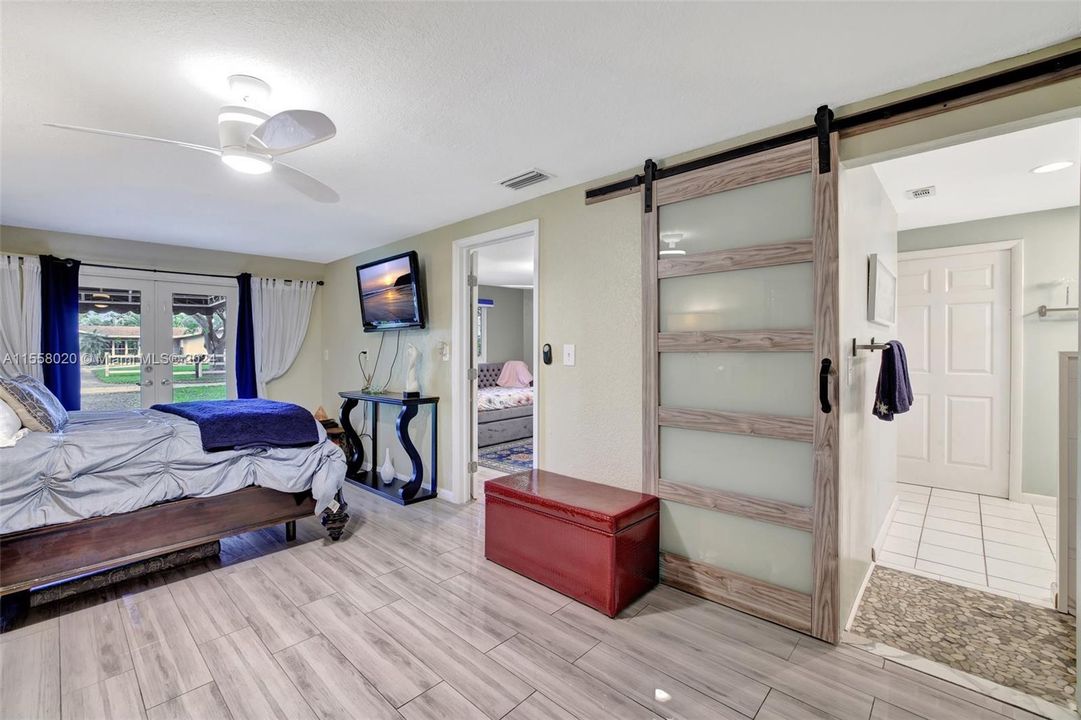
(280, 313)
(20, 315)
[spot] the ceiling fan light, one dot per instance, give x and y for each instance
(1052, 167)
(246, 162)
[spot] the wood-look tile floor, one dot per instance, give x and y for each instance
(404, 618)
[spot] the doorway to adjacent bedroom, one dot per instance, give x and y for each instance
(144, 341)
(498, 323)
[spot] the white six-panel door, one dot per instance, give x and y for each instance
(954, 320)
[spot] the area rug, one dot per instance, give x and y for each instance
(508, 457)
(1012, 643)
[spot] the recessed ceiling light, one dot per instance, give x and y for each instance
(1052, 167)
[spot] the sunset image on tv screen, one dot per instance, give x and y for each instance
(386, 292)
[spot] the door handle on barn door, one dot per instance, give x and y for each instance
(824, 385)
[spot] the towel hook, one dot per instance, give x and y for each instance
(872, 346)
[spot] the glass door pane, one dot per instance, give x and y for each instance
(727, 277)
(115, 343)
(197, 331)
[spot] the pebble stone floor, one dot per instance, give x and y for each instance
(1010, 642)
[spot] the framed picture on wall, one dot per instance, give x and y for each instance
(881, 293)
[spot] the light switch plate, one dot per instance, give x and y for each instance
(568, 355)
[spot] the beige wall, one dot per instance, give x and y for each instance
(504, 324)
(589, 295)
(868, 475)
(1050, 254)
(302, 384)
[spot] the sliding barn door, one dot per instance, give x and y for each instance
(740, 410)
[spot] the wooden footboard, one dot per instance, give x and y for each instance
(58, 552)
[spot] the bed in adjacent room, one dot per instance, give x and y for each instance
(504, 414)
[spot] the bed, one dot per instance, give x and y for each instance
(113, 488)
(503, 414)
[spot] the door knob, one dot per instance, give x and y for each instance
(147, 383)
(166, 381)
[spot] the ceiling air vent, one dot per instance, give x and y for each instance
(522, 180)
(920, 193)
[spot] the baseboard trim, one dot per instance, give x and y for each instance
(859, 596)
(1037, 499)
(880, 539)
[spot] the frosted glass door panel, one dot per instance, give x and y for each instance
(773, 553)
(762, 214)
(759, 467)
(778, 383)
(770, 298)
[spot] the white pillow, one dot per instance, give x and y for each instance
(11, 427)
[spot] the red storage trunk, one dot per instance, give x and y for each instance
(596, 543)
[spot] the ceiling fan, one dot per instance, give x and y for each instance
(251, 141)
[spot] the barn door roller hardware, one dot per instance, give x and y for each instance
(649, 172)
(823, 126)
(1060, 67)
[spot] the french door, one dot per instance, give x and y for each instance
(145, 341)
(740, 419)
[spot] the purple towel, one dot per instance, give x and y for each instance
(238, 424)
(894, 392)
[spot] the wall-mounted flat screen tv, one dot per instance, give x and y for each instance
(391, 294)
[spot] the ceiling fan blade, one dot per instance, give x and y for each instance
(133, 136)
(305, 183)
(291, 130)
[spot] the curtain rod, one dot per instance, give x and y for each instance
(1069, 61)
(170, 272)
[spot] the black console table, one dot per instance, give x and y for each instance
(403, 492)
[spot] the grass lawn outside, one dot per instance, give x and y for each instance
(181, 373)
(199, 392)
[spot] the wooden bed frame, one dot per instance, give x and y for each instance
(53, 553)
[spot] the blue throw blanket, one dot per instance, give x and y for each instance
(238, 424)
(894, 392)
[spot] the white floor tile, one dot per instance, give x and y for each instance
(966, 505)
(912, 532)
(952, 526)
(947, 571)
(911, 507)
(955, 494)
(1019, 573)
(951, 557)
(907, 518)
(912, 497)
(1028, 527)
(914, 489)
(968, 516)
(900, 545)
(1009, 537)
(1026, 591)
(952, 540)
(1016, 511)
(901, 562)
(1048, 510)
(1020, 555)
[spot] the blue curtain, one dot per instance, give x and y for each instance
(245, 342)
(60, 328)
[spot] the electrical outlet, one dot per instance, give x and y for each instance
(568, 355)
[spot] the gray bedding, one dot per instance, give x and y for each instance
(104, 463)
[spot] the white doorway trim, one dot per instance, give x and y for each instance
(461, 324)
(1017, 336)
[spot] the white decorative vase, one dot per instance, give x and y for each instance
(386, 470)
